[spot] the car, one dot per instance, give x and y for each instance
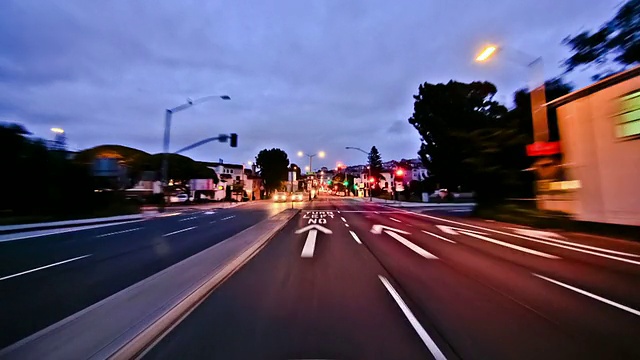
(180, 198)
(297, 196)
(280, 197)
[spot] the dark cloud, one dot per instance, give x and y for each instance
(303, 75)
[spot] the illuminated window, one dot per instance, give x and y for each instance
(628, 120)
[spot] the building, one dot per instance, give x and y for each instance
(599, 129)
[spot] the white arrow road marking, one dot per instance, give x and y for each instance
(475, 234)
(418, 250)
(355, 237)
(593, 296)
(438, 236)
(310, 244)
(44, 267)
(549, 236)
(377, 229)
(424, 336)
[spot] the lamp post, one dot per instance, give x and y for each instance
(538, 96)
(167, 130)
(369, 167)
(320, 154)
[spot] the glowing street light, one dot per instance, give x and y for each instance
(308, 168)
(57, 130)
(486, 53)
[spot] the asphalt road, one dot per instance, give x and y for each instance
(434, 285)
(47, 278)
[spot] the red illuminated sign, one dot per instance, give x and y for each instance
(540, 148)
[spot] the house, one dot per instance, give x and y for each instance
(599, 165)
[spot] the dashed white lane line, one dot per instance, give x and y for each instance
(377, 212)
(355, 237)
(593, 296)
(439, 237)
(179, 231)
(189, 218)
(418, 250)
(343, 219)
(34, 234)
(394, 219)
(347, 225)
(119, 232)
(44, 267)
(228, 217)
(211, 222)
(424, 336)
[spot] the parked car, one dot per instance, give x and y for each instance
(180, 198)
(297, 196)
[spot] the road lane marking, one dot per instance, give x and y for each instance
(593, 296)
(394, 219)
(40, 233)
(439, 237)
(44, 267)
(228, 217)
(424, 336)
(376, 212)
(189, 218)
(530, 239)
(211, 222)
(119, 232)
(355, 237)
(179, 231)
(343, 219)
(347, 225)
(418, 250)
(309, 244)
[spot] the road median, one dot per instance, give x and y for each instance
(126, 323)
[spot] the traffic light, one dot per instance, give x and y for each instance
(234, 140)
(399, 172)
(371, 180)
(345, 183)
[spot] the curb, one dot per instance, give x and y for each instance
(151, 335)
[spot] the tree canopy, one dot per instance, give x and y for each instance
(617, 40)
(273, 166)
(375, 161)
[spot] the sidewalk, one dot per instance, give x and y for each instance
(408, 204)
(9, 229)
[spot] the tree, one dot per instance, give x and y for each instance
(445, 116)
(273, 166)
(375, 161)
(616, 41)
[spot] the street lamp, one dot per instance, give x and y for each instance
(538, 96)
(320, 154)
(368, 167)
(167, 130)
(57, 130)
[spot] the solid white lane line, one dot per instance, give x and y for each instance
(179, 231)
(396, 220)
(40, 233)
(189, 218)
(355, 237)
(530, 239)
(309, 244)
(593, 296)
(119, 232)
(511, 246)
(418, 250)
(44, 267)
(439, 237)
(424, 336)
(228, 217)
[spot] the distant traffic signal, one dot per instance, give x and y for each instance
(372, 180)
(233, 140)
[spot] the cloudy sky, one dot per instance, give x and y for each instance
(303, 75)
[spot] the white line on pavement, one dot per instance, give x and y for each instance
(529, 239)
(39, 233)
(355, 237)
(439, 237)
(426, 339)
(377, 212)
(179, 231)
(309, 245)
(593, 296)
(211, 222)
(44, 267)
(347, 225)
(343, 219)
(394, 219)
(418, 250)
(119, 232)
(189, 218)
(228, 217)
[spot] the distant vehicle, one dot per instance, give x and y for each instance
(280, 197)
(180, 198)
(297, 196)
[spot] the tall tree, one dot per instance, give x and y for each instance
(375, 161)
(617, 41)
(445, 116)
(273, 166)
